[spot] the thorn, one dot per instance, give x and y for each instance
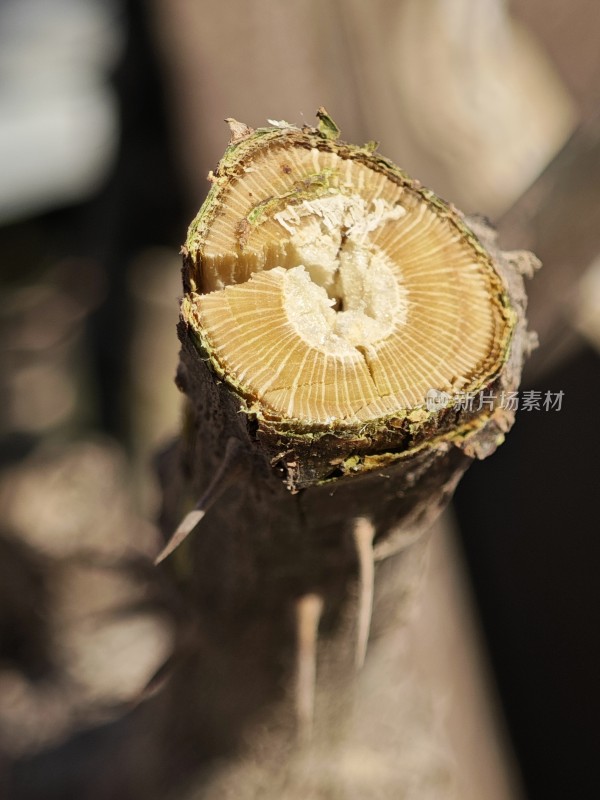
(308, 614)
(155, 684)
(364, 533)
(228, 472)
(239, 130)
(186, 526)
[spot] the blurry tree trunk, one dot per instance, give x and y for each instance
(456, 91)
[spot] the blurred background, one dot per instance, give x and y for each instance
(111, 116)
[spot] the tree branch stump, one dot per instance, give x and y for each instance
(314, 496)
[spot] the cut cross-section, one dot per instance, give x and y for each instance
(330, 289)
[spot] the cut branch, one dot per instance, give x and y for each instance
(335, 314)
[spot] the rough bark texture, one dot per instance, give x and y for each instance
(269, 542)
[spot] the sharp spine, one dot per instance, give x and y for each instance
(309, 608)
(364, 533)
(227, 473)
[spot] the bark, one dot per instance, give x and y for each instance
(277, 577)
